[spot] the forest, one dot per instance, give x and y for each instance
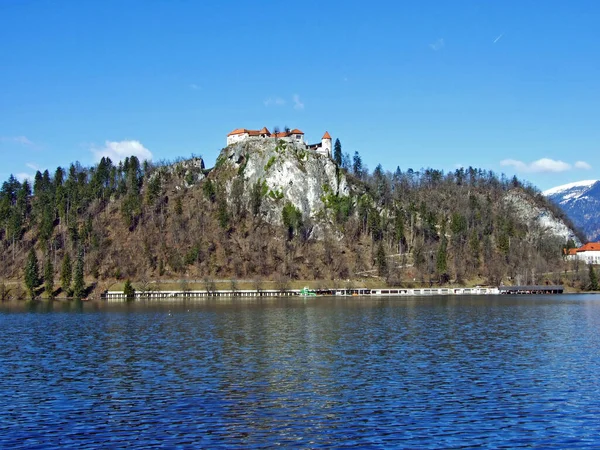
(80, 229)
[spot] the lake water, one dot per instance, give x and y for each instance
(322, 372)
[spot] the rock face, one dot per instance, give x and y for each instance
(531, 213)
(185, 173)
(581, 202)
(289, 173)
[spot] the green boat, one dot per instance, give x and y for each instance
(306, 292)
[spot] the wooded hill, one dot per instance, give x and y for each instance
(178, 220)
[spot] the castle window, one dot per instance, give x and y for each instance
(298, 136)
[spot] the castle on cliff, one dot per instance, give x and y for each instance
(296, 136)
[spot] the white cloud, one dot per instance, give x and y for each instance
(437, 45)
(274, 101)
(33, 166)
(22, 176)
(498, 38)
(119, 150)
(582, 165)
(23, 140)
(550, 165)
(297, 103)
(540, 166)
(194, 86)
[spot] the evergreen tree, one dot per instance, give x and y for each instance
(154, 187)
(593, 278)
(32, 277)
(337, 152)
(380, 260)
(178, 206)
(78, 281)
(442, 257)
(128, 290)
(357, 167)
(66, 273)
(49, 277)
(208, 188)
(398, 228)
(292, 219)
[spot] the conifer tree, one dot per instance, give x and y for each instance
(337, 152)
(66, 273)
(78, 282)
(442, 256)
(129, 290)
(49, 277)
(593, 278)
(357, 168)
(32, 277)
(380, 260)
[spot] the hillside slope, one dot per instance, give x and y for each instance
(270, 210)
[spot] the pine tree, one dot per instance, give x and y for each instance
(78, 282)
(49, 277)
(357, 168)
(593, 278)
(178, 206)
(380, 260)
(442, 256)
(337, 152)
(32, 277)
(128, 290)
(66, 273)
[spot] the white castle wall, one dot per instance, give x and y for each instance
(236, 138)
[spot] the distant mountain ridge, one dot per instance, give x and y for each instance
(581, 202)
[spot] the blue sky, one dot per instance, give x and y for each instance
(511, 86)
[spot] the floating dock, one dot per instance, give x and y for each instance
(383, 292)
(532, 290)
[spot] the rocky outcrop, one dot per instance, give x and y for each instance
(526, 209)
(287, 171)
(185, 173)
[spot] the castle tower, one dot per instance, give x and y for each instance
(326, 144)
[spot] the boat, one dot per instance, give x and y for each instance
(306, 292)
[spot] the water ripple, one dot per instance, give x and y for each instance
(344, 373)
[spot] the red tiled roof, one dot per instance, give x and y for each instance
(238, 131)
(570, 252)
(589, 247)
(264, 131)
(326, 135)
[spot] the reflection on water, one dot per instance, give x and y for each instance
(426, 372)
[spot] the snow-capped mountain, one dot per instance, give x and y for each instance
(581, 202)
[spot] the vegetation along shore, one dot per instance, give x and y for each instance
(276, 214)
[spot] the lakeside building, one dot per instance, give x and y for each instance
(588, 253)
(295, 135)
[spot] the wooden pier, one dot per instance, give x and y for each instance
(380, 292)
(532, 290)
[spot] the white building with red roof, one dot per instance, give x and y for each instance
(588, 253)
(296, 136)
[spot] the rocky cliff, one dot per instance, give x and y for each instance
(286, 171)
(537, 216)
